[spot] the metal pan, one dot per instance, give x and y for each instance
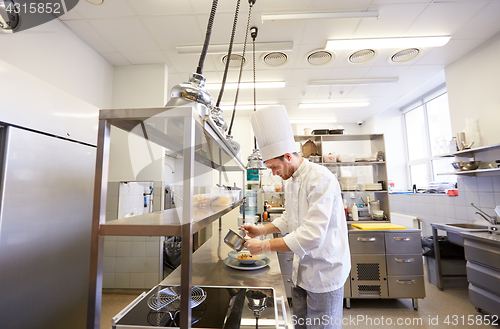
(234, 240)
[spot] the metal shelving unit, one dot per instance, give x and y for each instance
(199, 142)
(372, 143)
(486, 154)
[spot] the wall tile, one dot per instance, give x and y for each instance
(470, 184)
(122, 280)
(152, 249)
(449, 211)
(108, 280)
(459, 200)
(471, 197)
(487, 200)
(497, 198)
(138, 239)
(109, 248)
(108, 264)
(496, 183)
(460, 184)
(484, 184)
(123, 238)
(122, 264)
(151, 279)
(471, 214)
(152, 264)
(430, 209)
(123, 248)
(137, 280)
(138, 249)
(439, 211)
(137, 264)
(461, 212)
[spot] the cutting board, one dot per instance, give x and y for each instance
(378, 226)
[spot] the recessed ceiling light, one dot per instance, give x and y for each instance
(319, 15)
(361, 56)
(405, 55)
(332, 104)
(275, 58)
(247, 85)
(319, 57)
(407, 42)
(346, 82)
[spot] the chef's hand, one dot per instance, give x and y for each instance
(254, 231)
(258, 246)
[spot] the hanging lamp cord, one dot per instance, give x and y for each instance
(251, 2)
(204, 50)
(221, 92)
(254, 36)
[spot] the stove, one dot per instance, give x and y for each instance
(224, 307)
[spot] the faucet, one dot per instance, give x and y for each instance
(485, 216)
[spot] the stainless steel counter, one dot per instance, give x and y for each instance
(483, 237)
(208, 269)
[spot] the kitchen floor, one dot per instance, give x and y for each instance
(448, 308)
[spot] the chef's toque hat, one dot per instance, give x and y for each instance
(273, 131)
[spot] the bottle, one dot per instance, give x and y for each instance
(354, 212)
(349, 211)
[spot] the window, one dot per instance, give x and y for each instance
(428, 135)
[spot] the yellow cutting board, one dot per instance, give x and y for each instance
(378, 226)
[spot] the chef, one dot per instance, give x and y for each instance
(313, 221)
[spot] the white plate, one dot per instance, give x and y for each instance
(234, 263)
(234, 254)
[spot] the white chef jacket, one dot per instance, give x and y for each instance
(315, 221)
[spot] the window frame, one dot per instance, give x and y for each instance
(429, 158)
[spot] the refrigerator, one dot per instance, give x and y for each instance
(46, 190)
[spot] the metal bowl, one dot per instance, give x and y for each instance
(234, 240)
(466, 165)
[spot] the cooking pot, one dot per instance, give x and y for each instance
(234, 240)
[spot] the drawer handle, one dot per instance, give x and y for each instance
(402, 260)
(367, 239)
(405, 281)
(289, 260)
(402, 239)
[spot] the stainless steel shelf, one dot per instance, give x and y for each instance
(339, 137)
(161, 223)
(473, 172)
(464, 153)
(358, 163)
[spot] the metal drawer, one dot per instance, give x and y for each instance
(287, 281)
(286, 262)
(403, 243)
(399, 264)
(484, 277)
(483, 299)
(486, 254)
(406, 286)
(367, 243)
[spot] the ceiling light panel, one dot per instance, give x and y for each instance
(319, 15)
(348, 82)
(383, 43)
(332, 105)
(237, 48)
(247, 85)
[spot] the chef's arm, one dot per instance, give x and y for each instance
(278, 244)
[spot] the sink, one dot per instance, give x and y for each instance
(469, 227)
(453, 230)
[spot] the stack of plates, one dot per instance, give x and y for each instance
(373, 186)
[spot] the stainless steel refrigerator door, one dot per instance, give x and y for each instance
(45, 225)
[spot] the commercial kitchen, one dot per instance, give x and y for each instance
(129, 159)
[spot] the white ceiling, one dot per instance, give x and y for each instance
(131, 32)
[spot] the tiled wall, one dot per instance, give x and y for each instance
(131, 262)
(483, 191)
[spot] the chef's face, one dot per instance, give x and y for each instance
(283, 168)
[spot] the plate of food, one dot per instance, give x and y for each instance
(235, 263)
(244, 256)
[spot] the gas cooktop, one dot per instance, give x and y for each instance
(224, 307)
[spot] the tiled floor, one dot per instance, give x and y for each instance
(449, 308)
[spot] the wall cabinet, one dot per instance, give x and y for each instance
(360, 151)
(202, 149)
(386, 264)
